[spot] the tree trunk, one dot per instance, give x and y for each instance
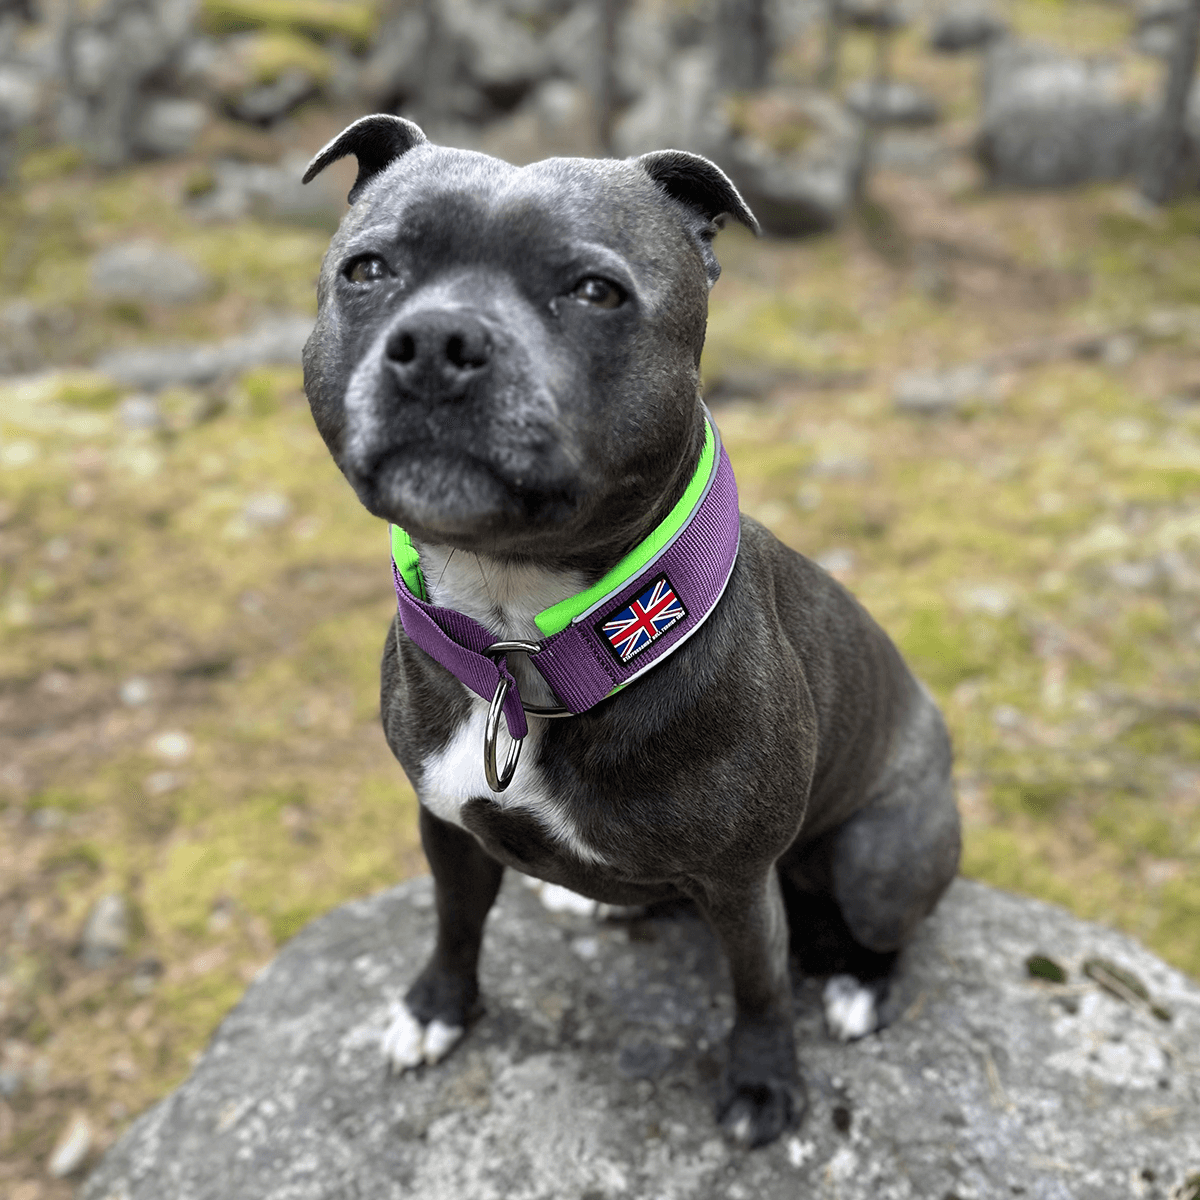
(743, 44)
(1168, 149)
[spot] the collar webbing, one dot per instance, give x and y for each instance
(596, 641)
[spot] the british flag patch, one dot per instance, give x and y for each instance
(639, 625)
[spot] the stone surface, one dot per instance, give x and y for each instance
(965, 26)
(106, 931)
(278, 340)
(146, 272)
(1050, 120)
(892, 103)
(937, 393)
(592, 1073)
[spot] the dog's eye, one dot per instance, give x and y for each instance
(368, 269)
(597, 292)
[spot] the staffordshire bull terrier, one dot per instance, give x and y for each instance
(505, 366)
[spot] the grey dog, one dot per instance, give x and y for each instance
(506, 365)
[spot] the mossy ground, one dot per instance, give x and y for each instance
(1038, 560)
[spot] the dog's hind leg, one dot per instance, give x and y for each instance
(762, 1093)
(889, 865)
(435, 1012)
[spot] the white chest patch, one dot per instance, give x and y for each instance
(455, 775)
(505, 599)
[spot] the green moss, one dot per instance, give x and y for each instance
(99, 394)
(271, 55)
(1005, 860)
(320, 19)
(940, 648)
(52, 162)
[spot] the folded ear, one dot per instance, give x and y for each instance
(376, 141)
(698, 183)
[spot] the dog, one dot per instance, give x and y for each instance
(505, 367)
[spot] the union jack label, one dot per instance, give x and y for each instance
(638, 626)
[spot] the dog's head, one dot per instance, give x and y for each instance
(506, 358)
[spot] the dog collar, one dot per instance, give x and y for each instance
(604, 637)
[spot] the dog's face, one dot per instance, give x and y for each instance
(506, 358)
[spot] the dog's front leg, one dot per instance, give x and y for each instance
(762, 1093)
(435, 1012)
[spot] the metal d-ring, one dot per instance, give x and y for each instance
(499, 780)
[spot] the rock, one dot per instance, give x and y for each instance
(874, 14)
(71, 1148)
(1051, 121)
(241, 188)
(266, 509)
(168, 127)
(20, 99)
(965, 26)
(267, 103)
(895, 103)
(147, 273)
(139, 412)
(796, 156)
(1156, 25)
(278, 340)
(593, 1071)
(937, 393)
(106, 931)
(118, 61)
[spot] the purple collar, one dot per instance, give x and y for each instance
(634, 617)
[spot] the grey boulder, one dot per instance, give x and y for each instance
(593, 1072)
(1050, 120)
(144, 272)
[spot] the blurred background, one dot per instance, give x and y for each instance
(962, 371)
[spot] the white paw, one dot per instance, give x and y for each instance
(849, 1008)
(562, 900)
(407, 1043)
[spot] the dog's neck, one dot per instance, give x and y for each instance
(503, 597)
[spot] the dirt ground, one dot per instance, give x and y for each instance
(192, 614)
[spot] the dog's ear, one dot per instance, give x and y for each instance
(704, 188)
(376, 141)
(698, 183)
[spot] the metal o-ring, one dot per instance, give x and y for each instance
(498, 781)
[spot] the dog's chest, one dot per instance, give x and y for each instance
(505, 600)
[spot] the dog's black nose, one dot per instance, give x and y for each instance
(436, 354)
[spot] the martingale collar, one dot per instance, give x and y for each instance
(604, 637)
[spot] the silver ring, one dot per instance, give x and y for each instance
(495, 650)
(498, 781)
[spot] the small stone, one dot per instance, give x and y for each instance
(139, 412)
(1042, 966)
(934, 393)
(990, 599)
(174, 746)
(838, 561)
(106, 931)
(161, 782)
(136, 691)
(892, 103)
(146, 272)
(71, 1148)
(266, 509)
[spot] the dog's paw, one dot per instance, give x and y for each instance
(851, 1008)
(757, 1113)
(407, 1043)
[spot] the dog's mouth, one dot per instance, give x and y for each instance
(454, 497)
